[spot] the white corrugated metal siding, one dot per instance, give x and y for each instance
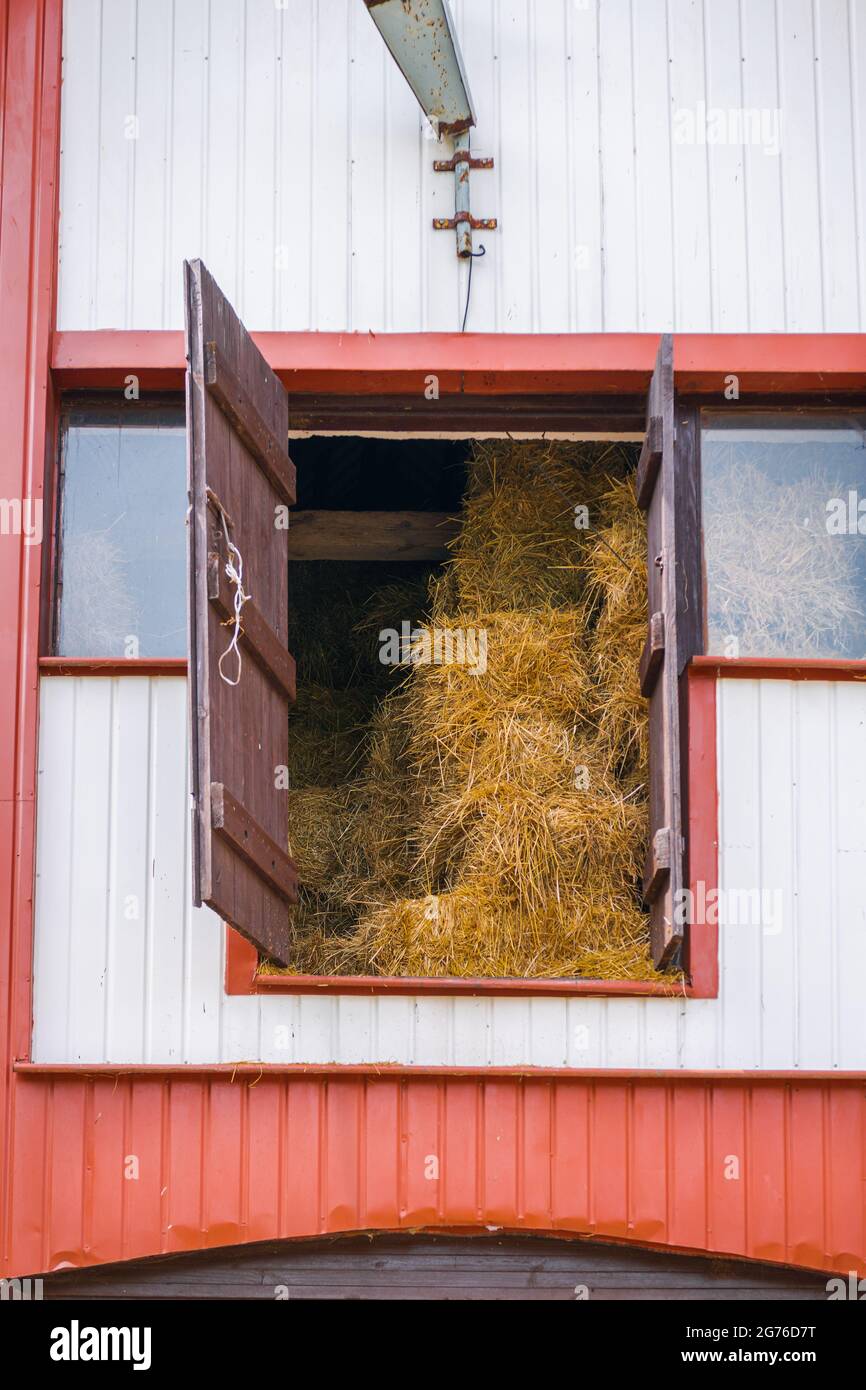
(113, 820)
(124, 966)
(282, 145)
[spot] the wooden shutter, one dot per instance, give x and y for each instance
(667, 490)
(239, 476)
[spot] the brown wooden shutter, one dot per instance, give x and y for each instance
(667, 490)
(240, 475)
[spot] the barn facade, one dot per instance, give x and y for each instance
(661, 168)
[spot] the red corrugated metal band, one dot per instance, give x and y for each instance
(769, 1170)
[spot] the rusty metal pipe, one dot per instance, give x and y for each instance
(461, 195)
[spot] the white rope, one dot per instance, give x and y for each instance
(235, 574)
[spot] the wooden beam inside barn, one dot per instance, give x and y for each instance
(337, 535)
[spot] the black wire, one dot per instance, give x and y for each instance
(472, 256)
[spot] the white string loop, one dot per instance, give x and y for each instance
(235, 575)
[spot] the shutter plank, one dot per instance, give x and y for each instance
(257, 638)
(253, 844)
(649, 461)
(660, 663)
(239, 473)
(687, 527)
(243, 414)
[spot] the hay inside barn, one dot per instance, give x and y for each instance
(479, 809)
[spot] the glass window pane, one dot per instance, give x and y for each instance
(123, 535)
(784, 524)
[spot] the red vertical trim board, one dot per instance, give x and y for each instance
(30, 52)
(702, 839)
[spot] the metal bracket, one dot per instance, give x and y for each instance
(448, 166)
(447, 224)
(462, 222)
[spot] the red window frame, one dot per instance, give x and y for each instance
(548, 374)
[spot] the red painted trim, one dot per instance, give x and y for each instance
(230, 1070)
(112, 666)
(781, 668)
(105, 357)
(30, 62)
(443, 985)
(373, 364)
(770, 362)
(242, 963)
(702, 844)
(50, 538)
(487, 364)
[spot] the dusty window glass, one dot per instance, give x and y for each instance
(122, 553)
(784, 527)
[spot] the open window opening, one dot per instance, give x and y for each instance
(465, 783)
(468, 752)
(503, 673)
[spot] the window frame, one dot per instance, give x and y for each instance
(544, 381)
(834, 407)
(51, 661)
